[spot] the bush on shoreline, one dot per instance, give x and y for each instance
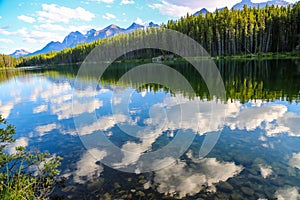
(24, 175)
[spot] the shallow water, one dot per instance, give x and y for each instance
(254, 135)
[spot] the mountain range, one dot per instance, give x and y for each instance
(75, 38)
(249, 3)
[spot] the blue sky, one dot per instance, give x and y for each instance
(31, 24)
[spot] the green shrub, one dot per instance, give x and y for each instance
(25, 175)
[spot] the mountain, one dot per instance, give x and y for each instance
(203, 11)
(90, 35)
(19, 53)
(133, 27)
(240, 5)
(107, 32)
(249, 3)
(52, 46)
(151, 24)
(75, 38)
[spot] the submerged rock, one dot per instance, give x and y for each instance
(107, 196)
(142, 182)
(117, 185)
(132, 190)
(140, 193)
(236, 196)
(225, 186)
(247, 191)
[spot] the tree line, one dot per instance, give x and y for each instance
(246, 31)
(8, 61)
(222, 33)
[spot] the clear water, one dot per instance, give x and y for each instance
(257, 154)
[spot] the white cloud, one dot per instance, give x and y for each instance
(0, 17)
(85, 2)
(53, 91)
(178, 8)
(26, 19)
(45, 128)
(116, 100)
(295, 160)
(63, 29)
(158, 124)
(179, 180)
(60, 98)
(50, 27)
(238, 117)
(265, 170)
(172, 10)
(104, 1)
(139, 21)
(6, 33)
(274, 119)
(127, 2)
(104, 123)
(288, 123)
(38, 35)
(6, 108)
(39, 109)
(107, 1)
(66, 110)
(251, 118)
(7, 41)
(287, 193)
(87, 169)
(54, 13)
(11, 148)
(108, 16)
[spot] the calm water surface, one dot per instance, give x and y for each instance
(256, 156)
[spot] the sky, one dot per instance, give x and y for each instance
(31, 24)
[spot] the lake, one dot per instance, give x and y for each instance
(113, 135)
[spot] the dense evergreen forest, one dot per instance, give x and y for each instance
(222, 33)
(247, 31)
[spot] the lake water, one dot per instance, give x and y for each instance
(257, 150)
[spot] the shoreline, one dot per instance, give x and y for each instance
(259, 56)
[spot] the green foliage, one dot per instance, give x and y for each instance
(8, 61)
(24, 175)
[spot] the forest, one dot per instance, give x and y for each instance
(250, 31)
(8, 61)
(247, 31)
